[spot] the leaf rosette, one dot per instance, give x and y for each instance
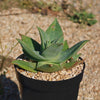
(53, 52)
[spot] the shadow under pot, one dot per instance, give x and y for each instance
(33, 89)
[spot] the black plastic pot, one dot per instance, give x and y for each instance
(50, 90)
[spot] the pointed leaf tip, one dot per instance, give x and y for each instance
(54, 32)
(30, 52)
(43, 38)
(56, 20)
(65, 55)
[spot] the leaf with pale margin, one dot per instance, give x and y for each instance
(65, 55)
(29, 66)
(31, 43)
(33, 54)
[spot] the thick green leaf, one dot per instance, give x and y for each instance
(30, 52)
(31, 43)
(54, 32)
(52, 52)
(65, 45)
(56, 40)
(49, 43)
(72, 64)
(43, 37)
(65, 55)
(29, 66)
(49, 67)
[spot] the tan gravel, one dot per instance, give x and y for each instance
(55, 76)
(12, 25)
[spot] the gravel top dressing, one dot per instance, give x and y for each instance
(55, 76)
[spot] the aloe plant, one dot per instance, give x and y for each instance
(53, 52)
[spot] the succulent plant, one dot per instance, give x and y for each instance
(52, 54)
